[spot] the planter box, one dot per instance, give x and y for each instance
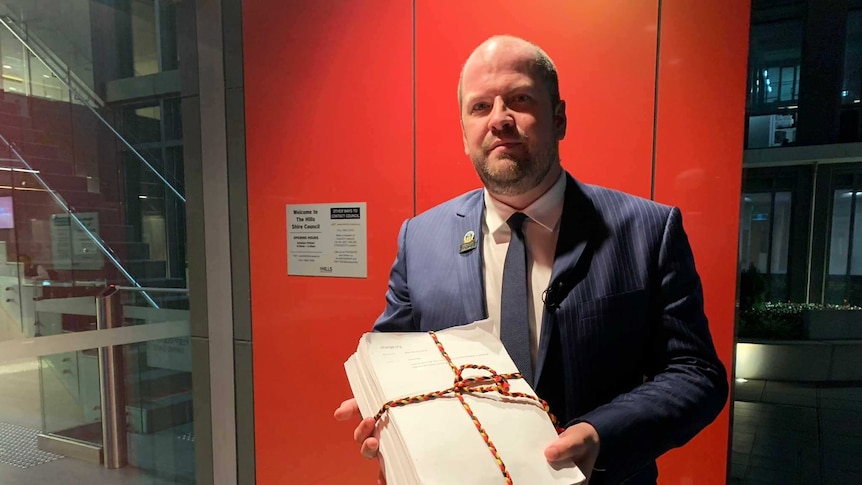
(800, 360)
(832, 324)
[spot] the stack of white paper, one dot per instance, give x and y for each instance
(436, 442)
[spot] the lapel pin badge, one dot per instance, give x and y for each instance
(469, 242)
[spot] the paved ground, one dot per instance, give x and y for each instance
(789, 433)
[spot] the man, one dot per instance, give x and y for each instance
(616, 339)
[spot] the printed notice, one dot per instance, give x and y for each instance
(72, 247)
(327, 240)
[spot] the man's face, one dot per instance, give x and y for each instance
(511, 131)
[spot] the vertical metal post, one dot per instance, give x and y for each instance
(109, 314)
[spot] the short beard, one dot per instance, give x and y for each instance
(521, 176)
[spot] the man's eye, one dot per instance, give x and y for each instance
(480, 107)
(521, 98)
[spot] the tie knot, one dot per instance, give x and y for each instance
(516, 221)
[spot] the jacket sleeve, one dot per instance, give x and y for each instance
(398, 314)
(685, 385)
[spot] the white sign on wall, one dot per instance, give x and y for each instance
(71, 247)
(327, 240)
(171, 353)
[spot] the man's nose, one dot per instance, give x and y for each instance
(501, 118)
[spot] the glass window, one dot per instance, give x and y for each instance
(839, 238)
(754, 246)
(154, 36)
(780, 233)
(142, 123)
(775, 54)
(764, 239)
(172, 119)
(843, 284)
(843, 248)
(168, 35)
(146, 54)
(786, 91)
(856, 244)
(44, 84)
(853, 59)
(14, 75)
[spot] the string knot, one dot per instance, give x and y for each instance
(492, 382)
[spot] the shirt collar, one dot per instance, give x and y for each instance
(544, 211)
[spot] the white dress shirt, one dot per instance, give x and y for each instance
(541, 229)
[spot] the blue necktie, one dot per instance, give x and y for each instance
(514, 308)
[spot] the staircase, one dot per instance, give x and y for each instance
(56, 140)
(60, 160)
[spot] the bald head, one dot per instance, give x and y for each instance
(536, 61)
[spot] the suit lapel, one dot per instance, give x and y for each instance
(577, 227)
(470, 277)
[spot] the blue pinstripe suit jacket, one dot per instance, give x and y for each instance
(624, 345)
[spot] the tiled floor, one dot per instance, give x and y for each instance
(787, 433)
(68, 471)
(24, 394)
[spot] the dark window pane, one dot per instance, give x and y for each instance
(839, 238)
(754, 233)
(774, 56)
(172, 119)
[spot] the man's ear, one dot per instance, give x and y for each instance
(560, 120)
(464, 138)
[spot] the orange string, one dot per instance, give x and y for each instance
(498, 383)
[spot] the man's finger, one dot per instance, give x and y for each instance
(364, 430)
(347, 410)
(369, 448)
(563, 448)
(576, 443)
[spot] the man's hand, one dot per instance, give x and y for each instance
(579, 443)
(363, 435)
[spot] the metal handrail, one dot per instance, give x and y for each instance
(93, 237)
(152, 289)
(8, 21)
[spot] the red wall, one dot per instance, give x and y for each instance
(605, 53)
(699, 132)
(330, 118)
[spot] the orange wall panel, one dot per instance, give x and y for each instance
(330, 110)
(701, 112)
(328, 119)
(605, 53)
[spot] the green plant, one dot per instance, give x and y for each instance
(779, 320)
